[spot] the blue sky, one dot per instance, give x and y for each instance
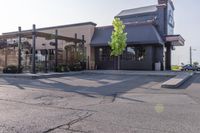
(45, 13)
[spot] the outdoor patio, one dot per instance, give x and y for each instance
(20, 49)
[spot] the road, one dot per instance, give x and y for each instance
(90, 103)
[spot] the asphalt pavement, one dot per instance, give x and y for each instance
(98, 103)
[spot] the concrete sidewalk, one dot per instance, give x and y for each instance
(130, 72)
(40, 75)
(177, 78)
(109, 72)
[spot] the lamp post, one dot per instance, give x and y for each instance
(191, 62)
(190, 55)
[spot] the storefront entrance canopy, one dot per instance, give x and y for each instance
(175, 40)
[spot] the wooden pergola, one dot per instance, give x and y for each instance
(32, 35)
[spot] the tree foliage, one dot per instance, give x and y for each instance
(118, 38)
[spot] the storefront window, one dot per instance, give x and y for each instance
(140, 53)
(134, 53)
(100, 54)
(104, 54)
(130, 53)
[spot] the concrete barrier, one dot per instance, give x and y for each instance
(177, 80)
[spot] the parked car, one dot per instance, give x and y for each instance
(190, 68)
(197, 68)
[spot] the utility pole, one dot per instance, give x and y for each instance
(190, 55)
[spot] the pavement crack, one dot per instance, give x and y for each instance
(109, 99)
(194, 98)
(69, 124)
(77, 131)
(114, 97)
(46, 105)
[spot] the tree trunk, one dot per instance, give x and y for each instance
(118, 62)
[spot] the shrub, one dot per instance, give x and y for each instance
(175, 68)
(12, 69)
(76, 67)
(62, 68)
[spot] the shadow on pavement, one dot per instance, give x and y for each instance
(195, 79)
(87, 84)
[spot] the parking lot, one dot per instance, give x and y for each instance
(98, 103)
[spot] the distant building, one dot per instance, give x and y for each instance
(150, 40)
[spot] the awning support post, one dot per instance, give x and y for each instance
(19, 49)
(75, 43)
(33, 49)
(56, 50)
(84, 52)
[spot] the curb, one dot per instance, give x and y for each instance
(140, 73)
(177, 81)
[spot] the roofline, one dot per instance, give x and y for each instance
(129, 43)
(137, 13)
(151, 22)
(59, 26)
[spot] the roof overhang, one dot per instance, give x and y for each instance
(175, 40)
(137, 34)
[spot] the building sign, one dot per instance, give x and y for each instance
(171, 18)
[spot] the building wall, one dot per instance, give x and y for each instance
(8, 56)
(159, 55)
(161, 22)
(146, 64)
(165, 19)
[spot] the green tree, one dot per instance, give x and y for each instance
(118, 40)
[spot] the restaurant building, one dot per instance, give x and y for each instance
(150, 40)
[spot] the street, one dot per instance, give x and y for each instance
(91, 103)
